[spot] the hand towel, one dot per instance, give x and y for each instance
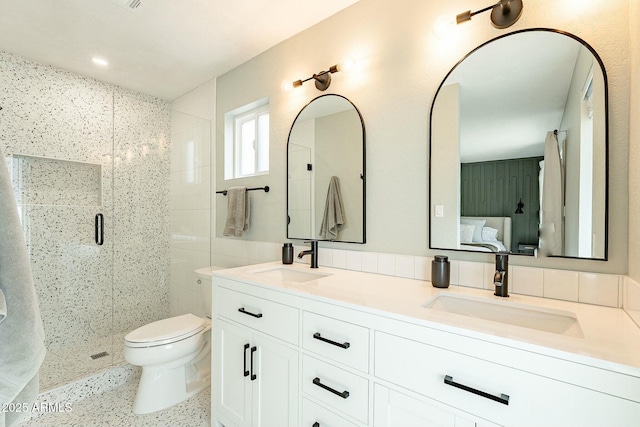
(21, 332)
(237, 212)
(333, 217)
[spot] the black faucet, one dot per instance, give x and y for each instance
(313, 252)
(500, 278)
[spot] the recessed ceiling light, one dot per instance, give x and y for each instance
(100, 61)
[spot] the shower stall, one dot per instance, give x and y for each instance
(90, 165)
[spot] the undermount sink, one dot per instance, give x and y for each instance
(505, 312)
(290, 275)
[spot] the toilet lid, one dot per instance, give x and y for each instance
(173, 327)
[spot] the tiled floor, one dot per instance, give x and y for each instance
(61, 366)
(112, 408)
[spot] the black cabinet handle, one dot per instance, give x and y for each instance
(99, 226)
(242, 310)
(244, 364)
(344, 345)
(253, 350)
(503, 398)
(343, 394)
(316, 424)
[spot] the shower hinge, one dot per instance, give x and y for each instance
(99, 355)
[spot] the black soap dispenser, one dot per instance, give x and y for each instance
(440, 271)
(287, 253)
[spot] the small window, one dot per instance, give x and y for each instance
(247, 141)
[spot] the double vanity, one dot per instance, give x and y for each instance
(295, 346)
(323, 347)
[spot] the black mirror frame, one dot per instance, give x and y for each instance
(606, 109)
(363, 176)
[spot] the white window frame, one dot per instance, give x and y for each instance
(232, 147)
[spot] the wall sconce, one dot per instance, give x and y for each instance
(504, 14)
(322, 79)
(520, 206)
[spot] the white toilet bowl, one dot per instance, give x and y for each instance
(175, 355)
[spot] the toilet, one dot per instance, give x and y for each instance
(174, 353)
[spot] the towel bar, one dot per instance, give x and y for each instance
(265, 188)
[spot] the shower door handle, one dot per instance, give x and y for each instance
(99, 226)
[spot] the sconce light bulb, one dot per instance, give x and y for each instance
(347, 64)
(444, 27)
(287, 86)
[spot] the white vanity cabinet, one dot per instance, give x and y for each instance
(335, 364)
(397, 409)
(493, 391)
(321, 362)
(255, 376)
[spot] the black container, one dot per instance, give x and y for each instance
(440, 271)
(501, 276)
(287, 253)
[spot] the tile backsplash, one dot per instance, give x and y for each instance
(590, 288)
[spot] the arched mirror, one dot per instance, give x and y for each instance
(326, 172)
(518, 155)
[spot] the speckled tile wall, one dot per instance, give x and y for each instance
(40, 181)
(89, 293)
(141, 206)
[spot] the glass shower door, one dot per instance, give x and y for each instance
(65, 217)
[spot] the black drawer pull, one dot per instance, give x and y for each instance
(316, 424)
(343, 394)
(244, 365)
(344, 345)
(253, 350)
(503, 398)
(242, 310)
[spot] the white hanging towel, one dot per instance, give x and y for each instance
(21, 332)
(551, 216)
(334, 217)
(237, 212)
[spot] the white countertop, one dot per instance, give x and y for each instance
(611, 338)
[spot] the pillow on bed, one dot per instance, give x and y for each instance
(477, 230)
(466, 233)
(489, 234)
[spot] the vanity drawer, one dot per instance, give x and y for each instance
(336, 340)
(313, 413)
(342, 390)
(511, 397)
(272, 318)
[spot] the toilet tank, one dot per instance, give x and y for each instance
(204, 276)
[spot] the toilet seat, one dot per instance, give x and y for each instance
(165, 331)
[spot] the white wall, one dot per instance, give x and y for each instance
(572, 122)
(191, 196)
(446, 228)
(401, 65)
(338, 152)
